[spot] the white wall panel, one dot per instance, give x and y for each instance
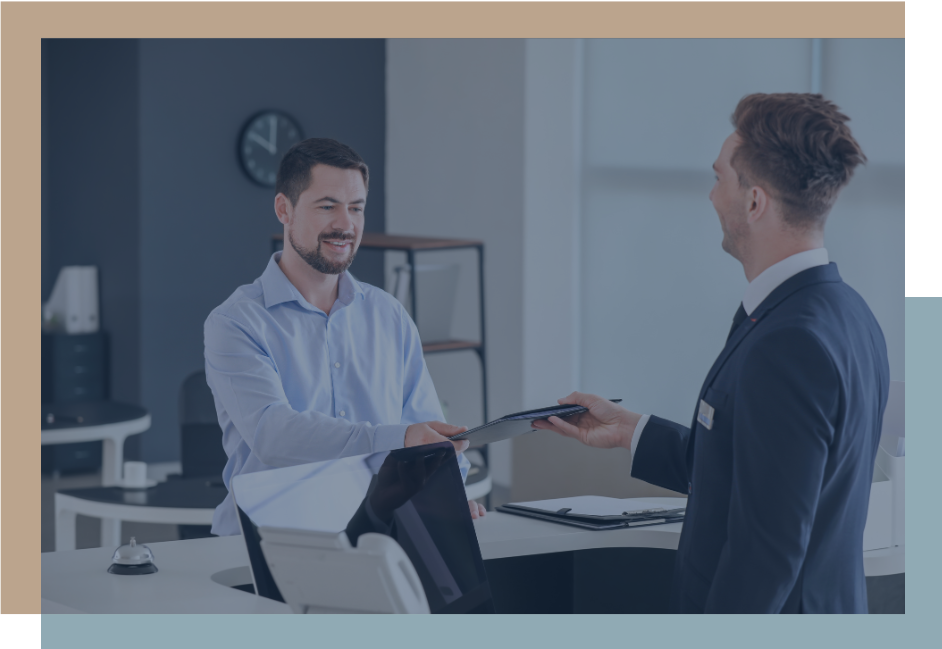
(666, 103)
(659, 293)
(865, 77)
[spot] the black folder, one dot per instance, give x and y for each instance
(516, 424)
(654, 516)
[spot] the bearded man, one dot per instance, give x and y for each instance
(306, 364)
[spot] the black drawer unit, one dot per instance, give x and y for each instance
(74, 368)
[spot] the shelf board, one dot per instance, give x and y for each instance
(449, 346)
(380, 241)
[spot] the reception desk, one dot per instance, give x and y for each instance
(533, 566)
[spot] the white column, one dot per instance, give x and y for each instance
(544, 464)
(454, 168)
(551, 231)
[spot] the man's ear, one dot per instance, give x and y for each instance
(281, 208)
(758, 204)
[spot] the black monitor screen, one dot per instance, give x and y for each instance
(414, 495)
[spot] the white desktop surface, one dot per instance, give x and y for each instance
(185, 582)
(506, 535)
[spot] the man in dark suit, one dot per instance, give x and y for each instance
(778, 460)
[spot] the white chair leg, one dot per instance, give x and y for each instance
(65, 527)
(112, 460)
(110, 533)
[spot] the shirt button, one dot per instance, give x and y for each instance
(336, 364)
(343, 413)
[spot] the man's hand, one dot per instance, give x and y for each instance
(432, 432)
(477, 511)
(606, 425)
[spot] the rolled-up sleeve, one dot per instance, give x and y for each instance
(246, 383)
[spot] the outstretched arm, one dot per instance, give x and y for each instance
(659, 454)
(243, 378)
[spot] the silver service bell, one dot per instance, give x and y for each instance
(132, 559)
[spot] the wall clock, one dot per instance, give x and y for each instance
(264, 140)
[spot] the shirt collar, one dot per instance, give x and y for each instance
(770, 279)
(277, 288)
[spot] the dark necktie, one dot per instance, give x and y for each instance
(737, 320)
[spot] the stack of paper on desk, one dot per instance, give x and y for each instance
(597, 512)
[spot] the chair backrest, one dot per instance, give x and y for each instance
(201, 450)
(318, 572)
(197, 405)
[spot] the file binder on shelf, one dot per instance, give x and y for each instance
(596, 512)
(73, 304)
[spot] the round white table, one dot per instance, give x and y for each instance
(91, 421)
(190, 501)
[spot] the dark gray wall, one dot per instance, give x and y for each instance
(90, 185)
(205, 228)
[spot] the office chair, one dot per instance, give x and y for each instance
(201, 451)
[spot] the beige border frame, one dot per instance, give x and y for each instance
(23, 24)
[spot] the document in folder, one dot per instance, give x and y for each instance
(517, 424)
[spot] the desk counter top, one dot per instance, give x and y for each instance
(183, 583)
(195, 576)
(503, 535)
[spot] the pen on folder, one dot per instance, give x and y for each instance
(577, 406)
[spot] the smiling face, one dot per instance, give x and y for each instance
(326, 224)
(730, 201)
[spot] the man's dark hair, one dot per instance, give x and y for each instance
(799, 148)
(294, 172)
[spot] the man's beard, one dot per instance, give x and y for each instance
(316, 260)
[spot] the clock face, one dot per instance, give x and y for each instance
(264, 140)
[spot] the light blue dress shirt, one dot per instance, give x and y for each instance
(294, 385)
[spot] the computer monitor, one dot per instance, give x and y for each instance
(416, 496)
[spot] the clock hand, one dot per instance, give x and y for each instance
(273, 133)
(265, 143)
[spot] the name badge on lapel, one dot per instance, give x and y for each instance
(705, 416)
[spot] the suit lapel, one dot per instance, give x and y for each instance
(815, 275)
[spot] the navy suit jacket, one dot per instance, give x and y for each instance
(779, 486)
